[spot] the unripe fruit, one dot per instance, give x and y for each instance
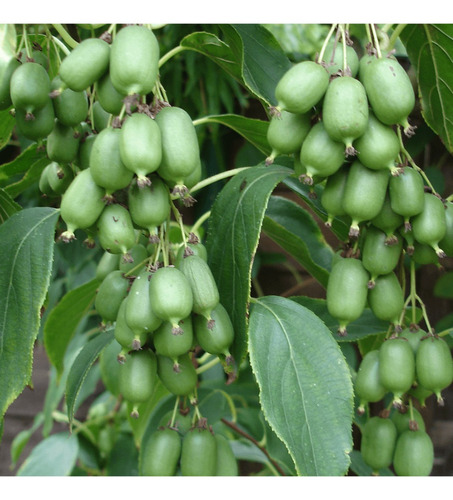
(320, 155)
(81, 205)
(192, 248)
(161, 453)
(378, 147)
(414, 337)
(115, 230)
(107, 263)
(430, 226)
(179, 377)
(109, 367)
(364, 64)
(62, 143)
(83, 155)
(38, 128)
(166, 343)
(226, 461)
(106, 166)
(414, 454)
(7, 69)
(100, 117)
(199, 453)
(71, 108)
(347, 291)
(43, 184)
(378, 443)
(345, 111)
(434, 365)
(181, 422)
(333, 59)
(141, 146)
(386, 298)
(134, 60)
(109, 98)
(364, 194)
(138, 255)
(447, 241)
(301, 87)
(407, 419)
(424, 254)
(396, 367)
(128, 339)
(110, 295)
(333, 193)
(171, 295)
(286, 133)
(388, 221)
(367, 385)
(389, 91)
(59, 177)
(29, 87)
(85, 64)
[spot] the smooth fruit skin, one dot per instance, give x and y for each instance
(85, 64)
(434, 365)
(430, 226)
(29, 87)
(413, 337)
(406, 192)
(134, 60)
(333, 59)
(180, 149)
(71, 108)
(218, 339)
(85, 146)
(109, 98)
(347, 291)
(226, 461)
(396, 367)
(388, 221)
(389, 91)
(139, 255)
(386, 298)
(161, 453)
(333, 193)
(403, 422)
(345, 111)
(107, 263)
(109, 367)
(128, 339)
(59, 177)
(166, 343)
(414, 454)
(379, 437)
(197, 248)
(110, 295)
(199, 453)
(179, 377)
(115, 230)
(367, 385)
(82, 204)
(62, 143)
(301, 87)
(447, 241)
(7, 69)
(138, 376)
(40, 127)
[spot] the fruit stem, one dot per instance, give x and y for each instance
(66, 36)
(27, 45)
(326, 41)
(175, 409)
(217, 177)
(207, 366)
(394, 36)
(200, 221)
(178, 218)
(375, 40)
(170, 54)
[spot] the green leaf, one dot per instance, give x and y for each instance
(63, 320)
(7, 122)
(21, 440)
(123, 459)
(26, 247)
(305, 385)
(444, 286)
(8, 39)
(295, 230)
(81, 366)
(54, 456)
(234, 229)
(430, 50)
(253, 130)
(8, 206)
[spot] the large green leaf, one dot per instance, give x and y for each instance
(234, 229)
(26, 247)
(63, 320)
(295, 230)
(430, 50)
(305, 385)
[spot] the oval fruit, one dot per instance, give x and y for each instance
(166, 343)
(110, 295)
(334, 58)
(447, 241)
(199, 453)
(161, 453)
(138, 258)
(129, 340)
(226, 461)
(414, 454)
(409, 418)
(386, 298)
(62, 143)
(59, 177)
(38, 128)
(71, 107)
(367, 385)
(179, 377)
(107, 263)
(333, 193)
(7, 69)
(378, 443)
(109, 98)
(115, 230)
(388, 221)
(29, 87)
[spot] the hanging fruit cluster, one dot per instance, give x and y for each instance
(121, 158)
(344, 118)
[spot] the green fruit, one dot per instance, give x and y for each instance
(286, 133)
(320, 155)
(414, 454)
(44, 185)
(364, 64)
(62, 143)
(7, 69)
(38, 128)
(388, 221)
(364, 194)
(59, 177)
(204, 287)
(447, 241)
(109, 98)
(180, 149)
(85, 146)
(379, 437)
(192, 248)
(106, 166)
(139, 311)
(333, 59)
(81, 205)
(138, 255)
(367, 385)
(414, 337)
(378, 257)
(171, 296)
(333, 193)
(115, 230)
(386, 298)
(301, 87)
(85, 64)
(379, 146)
(218, 339)
(134, 60)
(170, 345)
(396, 367)
(389, 90)
(199, 453)
(141, 146)
(71, 108)
(149, 205)
(407, 192)
(161, 453)
(226, 461)
(29, 87)
(100, 117)
(434, 365)
(407, 419)
(420, 394)
(179, 377)
(347, 291)
(110, 295)
(180, 422)
(110, 368)
(430, 226)
(128, 338)
(424, 254)
(138, 377)
(107, 263)
(345, 111)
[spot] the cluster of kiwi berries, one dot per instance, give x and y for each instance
(343, 118)
(120, 157)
